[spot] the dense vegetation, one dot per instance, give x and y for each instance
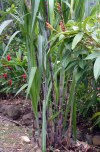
(50, 51)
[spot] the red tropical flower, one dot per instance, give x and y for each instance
(10, 82)
(5, 75)
(8, 57)
(24, 76)
(0, 76)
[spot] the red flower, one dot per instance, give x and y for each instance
(10, 82)
(8, 57)
(24, 76)
(0, 76)
(5, 75)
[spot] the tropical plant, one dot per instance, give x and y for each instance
(59, 41)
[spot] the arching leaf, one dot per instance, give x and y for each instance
(77, 39)
(4, 25)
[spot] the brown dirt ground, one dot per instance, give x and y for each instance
(10, 132)
(10, 138)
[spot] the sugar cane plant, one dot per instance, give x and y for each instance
(60, 41)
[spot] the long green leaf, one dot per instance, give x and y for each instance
(71, 9)
(97, 114)
(4, 25)
(10, 40)
(96, 68)
(93, 55)
(36, 7)
(21, 89)
(66, 2)
(51, 11)
(40, 53)
(97, 122)
(31, 78)
(77, 39)
(79, 9)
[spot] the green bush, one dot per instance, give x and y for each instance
(13, 71)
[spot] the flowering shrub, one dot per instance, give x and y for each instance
(13, 69)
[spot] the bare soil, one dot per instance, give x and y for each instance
(10, 137)
(11, 132)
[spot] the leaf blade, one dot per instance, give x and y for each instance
(77, 39)
(96, 68)
(22, 88)
(10, 40)
(31, 78)
(93, 55)
(4, 25)
(37, 2)
(51, 11)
